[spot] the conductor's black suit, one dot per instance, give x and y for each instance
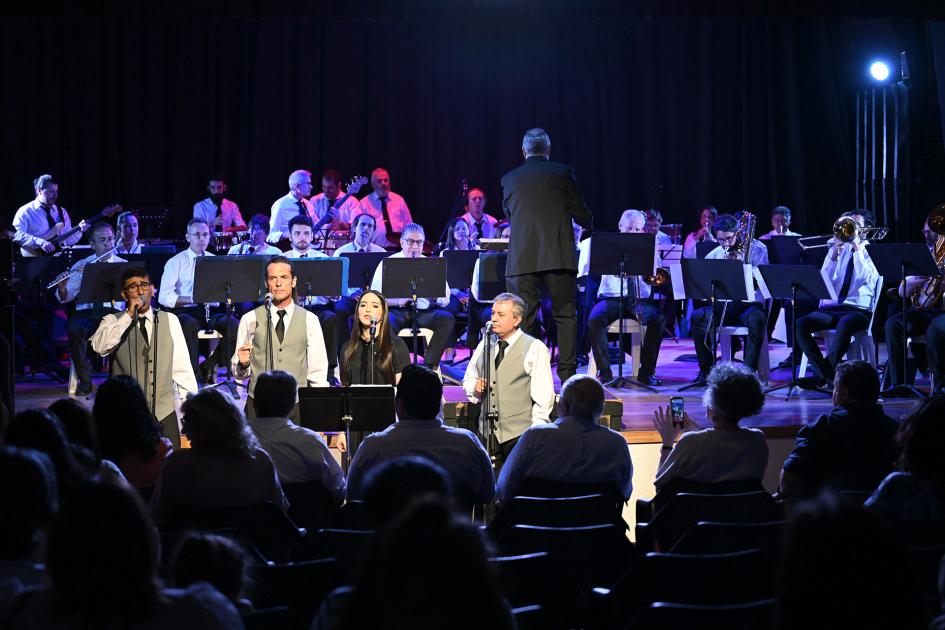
(540, 198)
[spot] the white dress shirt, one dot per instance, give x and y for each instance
(422, 303)
(112, 329)
(609, 284)
(354, 248)
(865, 274)
(299, 454)
(315, 343)
(134, 249)
(30, 221)
(283, 209)
(488, 224)
(345, 214)
(537, 365)
(207, 210)
(178, 277)
(757, 255)
(767, 235)
(74, 283)
(397, 211)
(663, 239)
(311, 300)
(245, 249)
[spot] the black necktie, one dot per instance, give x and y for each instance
(302, 211)
(144, 330)
(280, 325)
(503, 344)
(383, 201)
(49, 216)
(479, 229)
(847, 280)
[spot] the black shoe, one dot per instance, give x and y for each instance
(605, 377)
(208, 373)
(787, 363)
(701, 377)
(649, 379)
(332, 380)
(811, 383)
(83, 389)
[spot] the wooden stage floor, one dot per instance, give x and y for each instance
(779, 418)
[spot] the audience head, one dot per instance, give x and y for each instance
(102, 555)
(922, 438)
(418, 394)
(582, 396)
(28, 500)
(508, 312)
(300, 183)
(125, 424)
(427, 569)
(77, 422)
(732, 392)
(198, 235)
(392, 484)
(274, 394)
(41, 430)
(214, 424)
(536, 142)
(842, 567)
(856, 382)
(211, 558)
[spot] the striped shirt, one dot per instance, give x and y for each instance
(711, 456)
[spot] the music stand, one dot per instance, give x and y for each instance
(459, 267)
(783, 250)
(366, 408)
(229, 279)
(490, 281)
(712, 280)
(101, 282)
(895, 261)
(412, 279)
(361, 268)
(321, 276)
(788, 282)
(623, 255)
(494, 244)
(704, 247)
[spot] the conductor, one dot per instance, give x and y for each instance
(540, 198)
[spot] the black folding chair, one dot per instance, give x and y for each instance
(302, 586)
(344, 544)
(592, 509)
(670, 616)
(310, 504)
(535, 578)
(709, 537)
(353, 514)
(646, 508)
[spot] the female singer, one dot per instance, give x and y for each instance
(390, 353)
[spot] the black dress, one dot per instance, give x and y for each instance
(361, 361)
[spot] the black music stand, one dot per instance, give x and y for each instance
(229, 279)
(623, 255)
(366, 408)
(412, 279)
(361, 267)
(459, 267)
(321, 276)
(704, 247)
(712, 280)
(895, 261)
(790, 282)
(783, 250)
(490, 281)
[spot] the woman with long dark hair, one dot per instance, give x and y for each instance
(460, 236)
(390, 353)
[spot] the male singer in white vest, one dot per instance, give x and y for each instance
(521, 387)
(149, 347)
(297, 343)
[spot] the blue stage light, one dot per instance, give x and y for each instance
(879, 70)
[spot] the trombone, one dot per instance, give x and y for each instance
(845, 230)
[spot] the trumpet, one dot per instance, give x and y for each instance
(845, 230)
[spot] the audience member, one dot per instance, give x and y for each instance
(917, 491)
(128, 434)
(77, 422)
(40, 429)
(102, 566)
(843, 568)
(216, 560)
(420, 431)
(391, 486)
(224, 467)
(725, 451)
(852, 447)
(427, 569)
(574, 448)
(299, 454)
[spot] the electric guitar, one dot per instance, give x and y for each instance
(56, 236)
(354, 186)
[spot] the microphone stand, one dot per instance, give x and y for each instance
(269, 360)
(414, 329)
(487, 417)
(454, 209)
(373, 334)
(154, 370)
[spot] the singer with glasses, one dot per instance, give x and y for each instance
(149, 347)
(292, 342)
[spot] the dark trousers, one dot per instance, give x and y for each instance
(344, 311)
(607, 311)
(479, 314)
(80, 326)
(845, 319)
(329, 321)
(192, 320)
(751, 315)
(932, 325)
(170, 430)
(504, 450)
(441, 322)
(562, 286)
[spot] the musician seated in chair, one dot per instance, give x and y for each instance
(35, 222)
(853, 276)
(86, 317)
(388, 208)
(644, 309)
(341, 217)
(177, 294)
(730, 233)
(256, 245)
(219, 213)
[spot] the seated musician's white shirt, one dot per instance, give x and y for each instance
(245, 249)
(354, 248)
(316, 357)
(74, 283)
(207, 210)
(537, 365)
(397, 212)
(422, 303)
(757, 255)
(178, 277)
(311, 300)
(30, 221)
(134, 248)
(112, 329)
(283, 209)
(767, 235)
(663, 239)
(860, 294)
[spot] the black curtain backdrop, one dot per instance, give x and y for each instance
(667, 112)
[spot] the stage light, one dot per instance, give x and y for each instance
(879, 70)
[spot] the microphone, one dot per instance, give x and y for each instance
(488, 327)
(268, 300)
(373, 326)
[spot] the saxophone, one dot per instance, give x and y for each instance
(930, 292)
(744, 235)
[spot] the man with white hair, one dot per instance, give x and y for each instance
(521, 389)
(575, 448)
(540, 198)
(388, 208)
(294, 203)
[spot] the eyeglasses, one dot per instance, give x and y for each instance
(413, 241)
(138, 286)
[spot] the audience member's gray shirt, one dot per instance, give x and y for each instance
(299, 454)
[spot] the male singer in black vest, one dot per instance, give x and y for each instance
(540, 198)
